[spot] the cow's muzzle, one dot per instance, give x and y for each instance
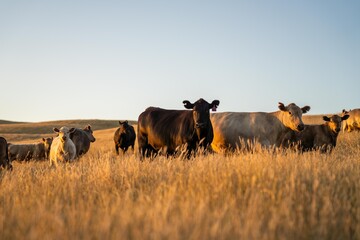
(200, 125)
(300, 127)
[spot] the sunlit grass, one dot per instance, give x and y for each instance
(238, 196)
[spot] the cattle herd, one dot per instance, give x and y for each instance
(170, 132)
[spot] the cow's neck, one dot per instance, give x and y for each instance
(333, 135)
(280, 116)
(283, 130)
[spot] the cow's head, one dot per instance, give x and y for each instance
(123, 126)
(64, 133)
(344, 112)
(89, 133)
(334, 122)
(292, 116)
(123, 131)
(47, 144)
(201, 115)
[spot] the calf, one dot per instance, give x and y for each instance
(82, 139)
(4, 157)
(63, 148)
(37, 151)
(124, 137)
(318, 137)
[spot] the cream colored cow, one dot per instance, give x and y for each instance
(63, 148)
(234, 130)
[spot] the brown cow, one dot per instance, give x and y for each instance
(4, 157)
(124, 137)
(318, 137)
(37, 151)
(167, 130)
(234, 130)
(353, 122)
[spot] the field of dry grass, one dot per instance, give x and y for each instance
(240, 196)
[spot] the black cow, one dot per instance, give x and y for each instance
(169, 129)
(4, 157)
(82, 139)
(124, 137)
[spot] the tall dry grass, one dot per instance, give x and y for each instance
(240, 196)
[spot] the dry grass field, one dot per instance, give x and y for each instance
(283, 195)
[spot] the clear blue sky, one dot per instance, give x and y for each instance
(112, 59)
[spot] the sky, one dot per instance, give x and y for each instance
(107, 59)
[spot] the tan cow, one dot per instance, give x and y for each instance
(63, 148)
(321, 137)
(353, 122)
(36, 151)
(234, 130)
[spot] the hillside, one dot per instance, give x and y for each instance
(18, 132)
(8, 122)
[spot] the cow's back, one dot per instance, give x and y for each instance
(165, 128)
(353, 122)
(232, 128)
(23, 152)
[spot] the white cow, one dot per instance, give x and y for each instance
(62, 148)
(234, 130)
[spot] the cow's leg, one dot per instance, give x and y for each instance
(142, 145)
(117, 149)
(124, 149)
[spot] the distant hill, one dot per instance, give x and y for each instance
(8, 122)
(8, 127)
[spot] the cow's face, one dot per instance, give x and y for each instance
(292, 116)
(89, 133)
(201, 115)
(47, 143)
(334, 122)
(64, 133)
(123, 127)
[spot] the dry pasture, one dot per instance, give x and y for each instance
(263, 195)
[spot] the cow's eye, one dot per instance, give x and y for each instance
(290, 113)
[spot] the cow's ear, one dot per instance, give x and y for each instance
(326, 119)
(213, 106)
(188, 105)
(56, 130)
(345, 117)
(43, 139)
(282, 107)
(305, 109)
